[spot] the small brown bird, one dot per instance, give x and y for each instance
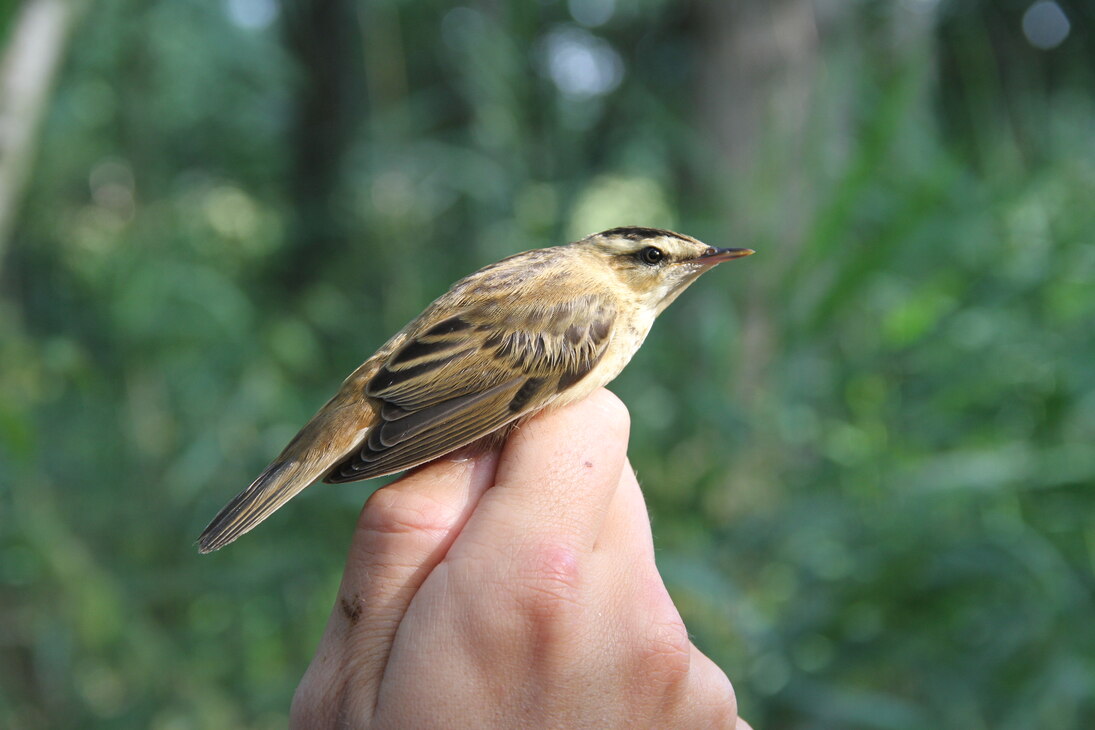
(539, 329)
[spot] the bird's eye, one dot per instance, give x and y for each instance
(651, 255)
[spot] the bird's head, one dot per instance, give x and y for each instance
(654, 264)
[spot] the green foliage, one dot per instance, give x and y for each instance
(867, 450)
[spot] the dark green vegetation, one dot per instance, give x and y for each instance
(869, 450)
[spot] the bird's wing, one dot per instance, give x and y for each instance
(471, 374)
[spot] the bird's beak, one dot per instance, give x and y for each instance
(713, 256)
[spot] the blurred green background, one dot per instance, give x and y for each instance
(868, 450)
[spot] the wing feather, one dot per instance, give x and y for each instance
(469, 424)
(461, 379)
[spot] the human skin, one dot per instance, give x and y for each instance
(513, 589)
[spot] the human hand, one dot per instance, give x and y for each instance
(535, 603)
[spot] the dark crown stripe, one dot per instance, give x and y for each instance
(637, 233)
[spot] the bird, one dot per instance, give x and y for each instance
(539, 329)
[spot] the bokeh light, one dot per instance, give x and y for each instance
(580, 63)
(1045, 25)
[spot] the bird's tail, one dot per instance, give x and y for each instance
(327, 438)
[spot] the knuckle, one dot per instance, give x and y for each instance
(709, 698)
(397, 512)
(665, 653)
(532, 602)
(548, 582)
(721, 704)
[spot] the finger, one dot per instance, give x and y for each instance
(629, 588)
(712, 702)
(626, 545)
(626, 529)
(556, 477)
(624, 557)
(402, 534)
(528, 542)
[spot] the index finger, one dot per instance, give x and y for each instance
(556, 477)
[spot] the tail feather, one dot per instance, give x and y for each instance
(281, 481)
(324, 441)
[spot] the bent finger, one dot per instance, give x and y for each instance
(402, 534)
(556, 478)
(712, 701)
(626, 530)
